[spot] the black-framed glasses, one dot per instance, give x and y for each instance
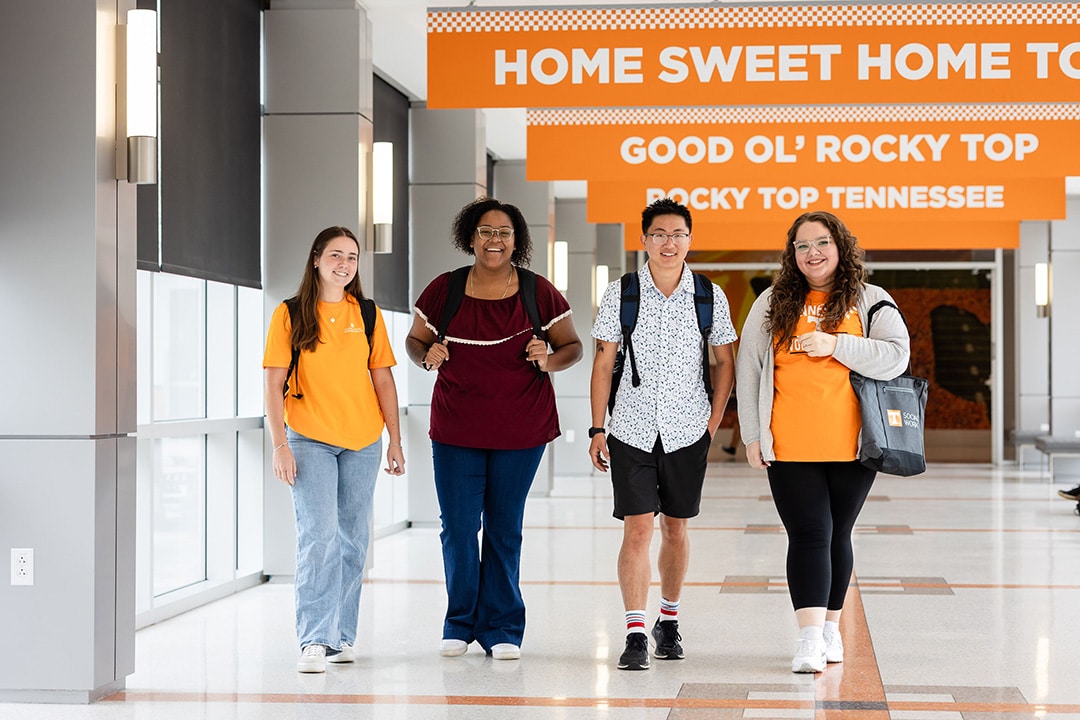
(803, 246)
(486, 232)
(659, 238)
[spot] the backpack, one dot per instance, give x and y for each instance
(367, 314)
(629, 299)
(456, 291)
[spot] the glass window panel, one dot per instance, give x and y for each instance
(179, 347)
(179, 512)
(250, 340)
(221, 350)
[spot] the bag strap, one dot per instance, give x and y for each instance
(877, 306)
(527, 287)
(367, 314)
(293, 306)
(870, 318)
(629, 300)
(703, 305)
(454, 293)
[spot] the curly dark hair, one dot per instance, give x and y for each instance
(789, 286)
(665, 206)
(464, 227)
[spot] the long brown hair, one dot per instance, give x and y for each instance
(789, 287)
(305, 329)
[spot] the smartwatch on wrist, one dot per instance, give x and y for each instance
(594, 431)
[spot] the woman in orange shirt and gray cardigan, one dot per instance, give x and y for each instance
(800, 418)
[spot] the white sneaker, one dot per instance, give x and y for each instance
(345, 655)
(452, 648)
(505, 651)
(312, 659)
(834, 646)
(809, 652)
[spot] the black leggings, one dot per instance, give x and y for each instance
(818, 503)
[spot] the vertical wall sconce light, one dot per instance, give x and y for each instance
(1042, 289)
(560, 266)
(137, 111)
(601, 284)
(382, 195)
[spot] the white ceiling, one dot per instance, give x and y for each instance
(399, 30)
(399, 39)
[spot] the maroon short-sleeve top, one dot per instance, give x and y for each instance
(487, 395)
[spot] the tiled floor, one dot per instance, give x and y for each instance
(966, 606)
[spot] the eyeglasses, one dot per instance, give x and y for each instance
(660, 238)
(486, 232)
(803, 246)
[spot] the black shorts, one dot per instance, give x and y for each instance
(658, 482)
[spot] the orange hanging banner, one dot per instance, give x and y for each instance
(875, 144)
(940, 200)
(754, 54)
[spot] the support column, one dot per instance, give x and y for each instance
(1032, 374)
(1064, 341)
(67, 435)
(536, 200)
(317, 139)
(447, 170)
(570, 452)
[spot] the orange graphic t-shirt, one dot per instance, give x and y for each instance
(815, 416)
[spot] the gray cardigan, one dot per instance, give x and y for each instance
(882, 356)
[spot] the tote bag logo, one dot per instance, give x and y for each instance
(896, 418)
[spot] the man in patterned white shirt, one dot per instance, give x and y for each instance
(660, 430)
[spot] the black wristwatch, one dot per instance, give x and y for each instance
(594, 431)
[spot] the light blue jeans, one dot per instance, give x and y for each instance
(332, 497)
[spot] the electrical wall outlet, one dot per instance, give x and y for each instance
(22, 566)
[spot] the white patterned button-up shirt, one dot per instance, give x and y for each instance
(671, 399)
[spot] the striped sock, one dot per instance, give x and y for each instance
(635, 621)
(668, 610)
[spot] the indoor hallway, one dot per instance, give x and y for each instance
(968, 588)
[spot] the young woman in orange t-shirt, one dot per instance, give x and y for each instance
(327, 436)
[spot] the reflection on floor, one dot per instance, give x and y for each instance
(965, 605)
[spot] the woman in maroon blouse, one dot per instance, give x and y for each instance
(492, 414)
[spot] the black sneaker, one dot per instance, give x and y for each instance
(636, 654)
(666, 636)
(1073, 494)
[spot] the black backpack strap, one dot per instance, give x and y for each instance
(629, 301)
(368, 315)
(293, 306)
(527, 287)
(703, 306)
(454, 294)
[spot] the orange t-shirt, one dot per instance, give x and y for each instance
(815, 415)
(339, 406)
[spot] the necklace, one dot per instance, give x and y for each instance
(472, 284)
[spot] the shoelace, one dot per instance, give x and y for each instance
(312, 651)
(808, 648)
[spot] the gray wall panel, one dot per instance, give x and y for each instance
(49, 503)
(1065, 309)
(49, 203)
(310, 45)
(447, 147)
